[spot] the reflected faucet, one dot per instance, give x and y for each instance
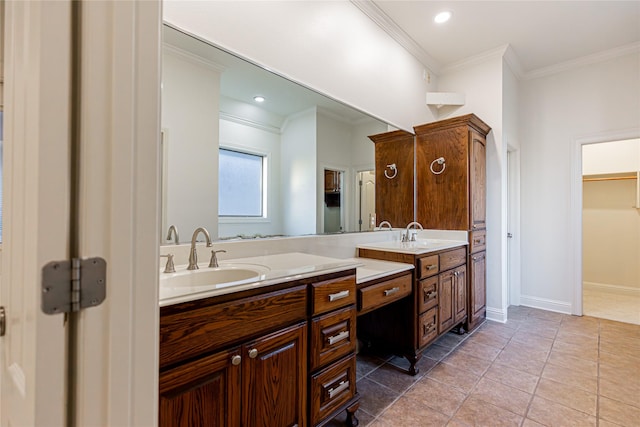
(405, 237)
(385, 223)
(174, 229)
(193, 255)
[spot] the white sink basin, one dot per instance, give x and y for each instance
(225, 275)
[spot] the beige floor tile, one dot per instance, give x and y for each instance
(552, 414)
(605, 423)
(567, 395)
(529, 423)
(501, 395)
(467, 361)
(620, 375)
(408, 412)
(620, 347)
(456, 377)
(521, 362)
(619, 413)
(498, 329)
(489, 339)
(571, 377)
(548, 315)
(568, 361)
(625, 391)
(456, 423)
(479, 350)
(577, 339)
(512, 377)
(475, 412)
(541, 328)
(538, 342)
(519, 349)
(436, 395)
(589, 352)
(588, 329)
(619, 360)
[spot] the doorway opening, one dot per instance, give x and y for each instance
(366, 200)
(611, 230)
(333, 201)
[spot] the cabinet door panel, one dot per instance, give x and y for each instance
(460, 294)
(477, 297)
(205, 392)
(478, 180)
(445, 301)
(274, 379)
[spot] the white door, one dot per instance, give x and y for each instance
(36, 209)
(113, 372)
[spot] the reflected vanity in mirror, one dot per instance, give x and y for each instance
(247, 153)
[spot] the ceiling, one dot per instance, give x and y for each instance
(541, 33)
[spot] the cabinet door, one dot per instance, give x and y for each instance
(274, 379)
(460, 294)
(477, 288)
(446, 285)
(394, 194)
(477, 181)
(205, 392)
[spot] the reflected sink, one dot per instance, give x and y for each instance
(225, 275)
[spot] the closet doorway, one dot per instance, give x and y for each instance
(611, 230)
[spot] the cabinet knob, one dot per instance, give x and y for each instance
(235, 360)
(253, 353)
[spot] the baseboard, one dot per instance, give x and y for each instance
(546, 304)
(496, 314)
(614, 289)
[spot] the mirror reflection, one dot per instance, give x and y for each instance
(247, 153)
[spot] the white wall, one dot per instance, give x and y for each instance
(329, 46)
(190, 92)
(250, 139)
(298, 174)
(482, 84)
(557, 111)
(611, 157)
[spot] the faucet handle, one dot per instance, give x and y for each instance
(213, 263)
(169, 268)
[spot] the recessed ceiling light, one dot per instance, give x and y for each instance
(258, 98)
(443, 17)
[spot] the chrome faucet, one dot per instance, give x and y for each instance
(193, 255)
(174, 229)
(385, 223)
(405, 237)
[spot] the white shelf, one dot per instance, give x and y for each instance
(440, 99)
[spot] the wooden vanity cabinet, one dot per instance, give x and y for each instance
(279, 356)
(456, 198)
(394, 191)
(439, 304)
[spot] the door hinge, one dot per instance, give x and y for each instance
(71, 285)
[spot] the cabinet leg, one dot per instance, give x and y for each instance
(413, 360)
(352, 420)
(459, 329)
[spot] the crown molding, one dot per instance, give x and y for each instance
(247, 122)
(377, 15)
(476, 59)
(190, 57)
(583, 61)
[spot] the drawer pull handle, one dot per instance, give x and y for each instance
(432, 266)
(253, 353)
(427, 329)
(338, 295)
(430, 294)
(391, 291)
(477, 241)
(341, 387)
(339, 337)
(235, 360)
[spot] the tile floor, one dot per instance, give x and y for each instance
(538, 369)
(611, 305)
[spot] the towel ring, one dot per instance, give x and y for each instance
(393, 168)
(439, 161)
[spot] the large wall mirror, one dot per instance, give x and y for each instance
(249, 154)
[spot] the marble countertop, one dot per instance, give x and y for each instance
(270, 270)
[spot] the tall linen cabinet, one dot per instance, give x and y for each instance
(450, 192)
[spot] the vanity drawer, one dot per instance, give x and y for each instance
(189, 333)
(428, 327)
(332, 294)
(477, 241)
(452, 258)
(374, 296)
(428, 266)
(427, 294)
(332, 387)
(332, 336)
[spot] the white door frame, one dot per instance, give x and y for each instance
(513, 225)
(575, 213)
